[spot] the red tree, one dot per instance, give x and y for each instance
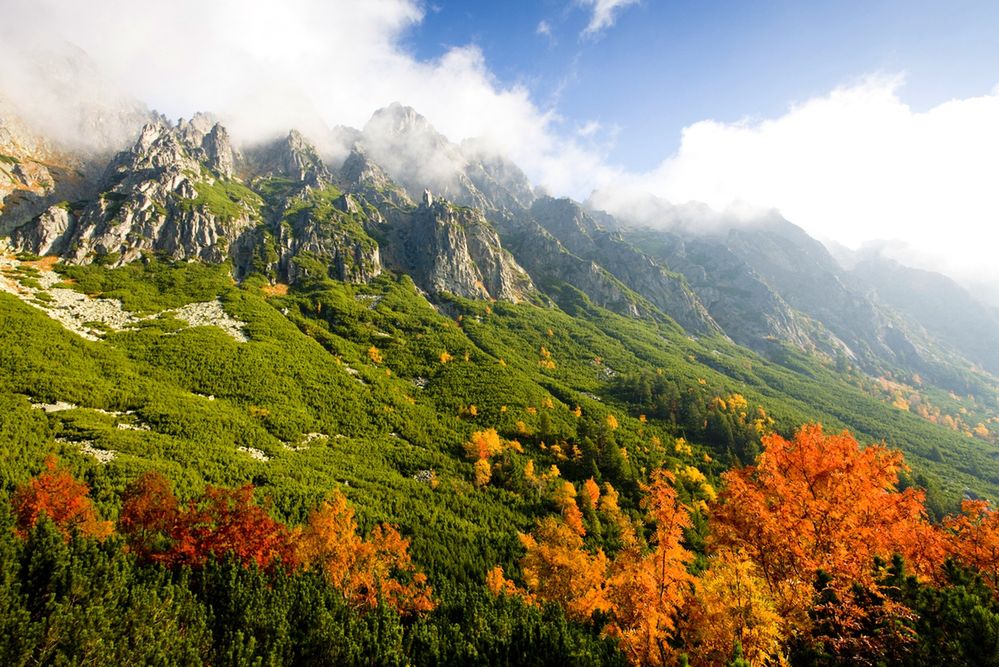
(60, 497)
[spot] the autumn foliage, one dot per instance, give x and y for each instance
(222, 522)
(638, 593)
(482, 446)
(63, 499)
(731, 603)
(820, 508)
(801, 546)
(805, 550)
(366, 571)
(647, 589)
(972, 538)
(227, 523)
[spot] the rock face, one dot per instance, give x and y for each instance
(312, 229)
(416, 156)
(806, 276)
(738, 299)
(769, 281)
(48, 235)
(447, 248)
(170, 194)
(583, 236)
(553, 267)
(938, 304)
(319, 234)
(293, 158)
(360, 174)
(33, 173)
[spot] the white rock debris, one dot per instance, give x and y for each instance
(75, 311)
(91, 317)
(103, 456)
(212, 314)
(306, 440)
(254, 453)
(58, 406)
(123, 426)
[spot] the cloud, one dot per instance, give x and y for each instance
(311, 64)
(544, 28)
(854, 165)
(604, 14)
(589, 128)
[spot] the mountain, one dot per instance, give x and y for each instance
(278, 209)
(171, 193)
(436, 374)
(945, 309)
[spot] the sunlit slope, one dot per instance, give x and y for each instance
(367, 388)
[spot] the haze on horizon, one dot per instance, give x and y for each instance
(843, 153)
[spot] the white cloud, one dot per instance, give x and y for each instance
(544, 28)
(589, 128)
(854, 165)
(266, 66)
(604, 14)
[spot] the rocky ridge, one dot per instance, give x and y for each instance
(171, 194)
(447, 248)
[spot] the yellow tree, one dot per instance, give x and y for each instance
(482, 446)
(557, 569)
(646, 591)
(973, 539)
(364, 570)
(565, 498)
(591, 494)
(731, 604)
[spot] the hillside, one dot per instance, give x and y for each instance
(227, 316)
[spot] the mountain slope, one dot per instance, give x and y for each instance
(276, 213)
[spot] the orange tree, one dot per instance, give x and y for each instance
(64, 500)
(820, 507)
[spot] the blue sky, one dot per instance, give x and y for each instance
(859, 121)
(665, 65)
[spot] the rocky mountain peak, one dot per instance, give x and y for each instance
(292, 157)
(171, 193)
(185, 147)
(399, 119)
(192, 131)
(218, 151)
(362, 174)
(417, 156)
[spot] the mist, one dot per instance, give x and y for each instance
(853, 165)
(264, 68)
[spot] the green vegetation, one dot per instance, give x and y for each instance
(619, 397)
(226, 199)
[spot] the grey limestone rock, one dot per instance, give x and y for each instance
(169, 194)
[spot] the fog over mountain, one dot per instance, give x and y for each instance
(853, 165)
